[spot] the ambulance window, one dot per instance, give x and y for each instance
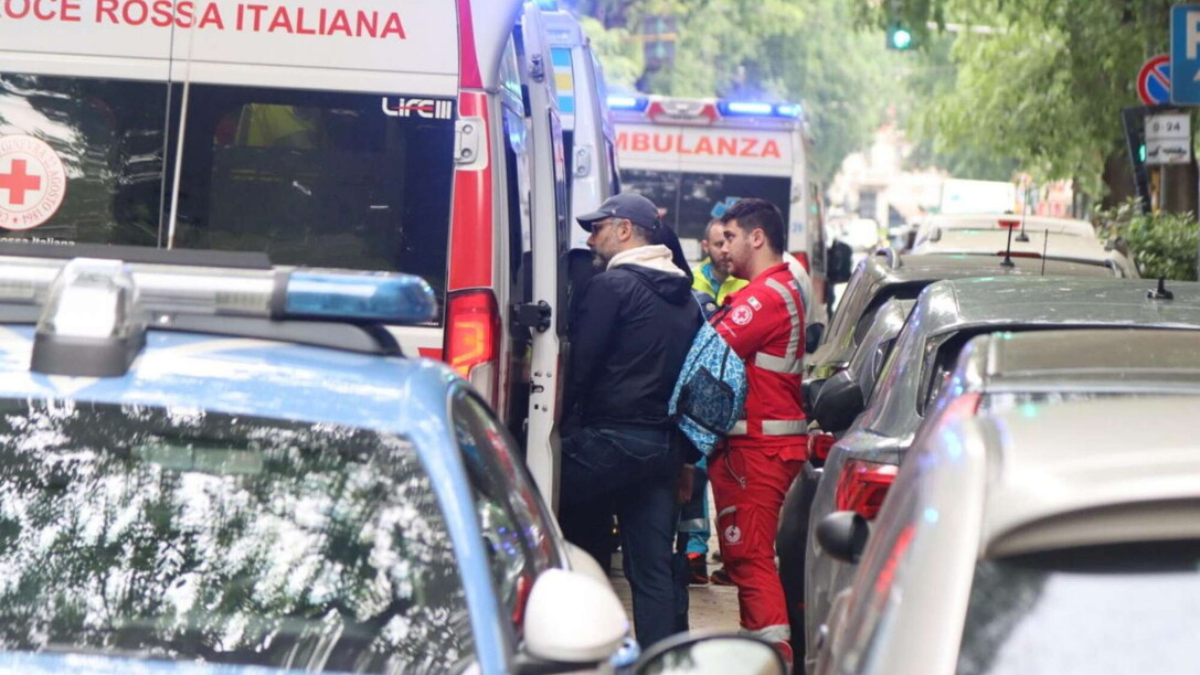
(326, 179)
(700, 192)
(88, 159)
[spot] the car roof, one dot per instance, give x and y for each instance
(1062, 246)
(922, 267)
(1098, 472)
(245, 376)
(991, 221)
(1059, 300)
(1124, 359)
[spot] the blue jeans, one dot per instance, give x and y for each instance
(630, 471)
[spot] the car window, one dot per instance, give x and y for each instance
(1085, 607)
(188, 535)
(515, 522)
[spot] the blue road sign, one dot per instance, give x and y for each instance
(1185, 54)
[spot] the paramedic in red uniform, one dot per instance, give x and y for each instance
(764, 324)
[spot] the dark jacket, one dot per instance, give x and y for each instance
(631, 332)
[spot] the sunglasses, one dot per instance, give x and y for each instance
(599, 224)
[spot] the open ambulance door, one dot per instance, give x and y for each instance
(550, 241)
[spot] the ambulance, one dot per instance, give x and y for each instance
(418, 136)
(694, 157)
(589, 136)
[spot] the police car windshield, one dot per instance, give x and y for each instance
(188, 535)
(315, 178)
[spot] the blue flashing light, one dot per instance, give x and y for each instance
(789, 110)
(388, 298)
(549, 5)
(636, 103)
(746, 108)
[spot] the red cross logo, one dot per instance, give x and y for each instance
(18, 182)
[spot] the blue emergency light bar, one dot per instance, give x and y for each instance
(634, 103)
(759, 109)
(550, 5)
(389, 298)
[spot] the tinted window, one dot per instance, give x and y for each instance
(1096, 610)
(689, 198)
(325, 179)
(185, 535)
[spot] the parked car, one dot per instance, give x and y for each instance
(881, 279)
(1031, 541)
(934, 226)
(233, 465)
(1029, 242)
(889, 274)
(863, 462)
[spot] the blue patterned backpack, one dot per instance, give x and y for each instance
(710, 393)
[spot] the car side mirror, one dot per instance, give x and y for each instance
(809, 391)
(688, 654)
(812, 337)
(572, 622)
(843, 535)
(839, 402)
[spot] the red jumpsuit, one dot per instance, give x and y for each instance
(764, 324)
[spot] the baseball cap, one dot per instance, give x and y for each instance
(636, 208)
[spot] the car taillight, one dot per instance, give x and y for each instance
(819, 445)
(524, 588)
(959, 407)
(863, 485)
(472, 330)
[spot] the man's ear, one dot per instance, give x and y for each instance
(758, 237)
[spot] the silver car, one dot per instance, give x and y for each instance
(1050, 538)
(863, 463)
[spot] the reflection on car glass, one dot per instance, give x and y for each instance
(182, 534)
(1080, 610)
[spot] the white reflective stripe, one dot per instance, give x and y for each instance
(773, 428)
(776, 633)
(785, 427)
(788, 364)
(693, 525)
(726, 511)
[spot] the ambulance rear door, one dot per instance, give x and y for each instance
(550, 243)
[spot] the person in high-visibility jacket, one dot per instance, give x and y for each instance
(751, 472)
(713, 277)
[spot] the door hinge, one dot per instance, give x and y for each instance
(468, 143)
(533, 315)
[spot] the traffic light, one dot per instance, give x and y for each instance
(899, 37)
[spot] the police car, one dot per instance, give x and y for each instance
(208, 464)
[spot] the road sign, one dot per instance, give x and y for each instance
(1169, 138)
(1185, 54)
(1154, 80)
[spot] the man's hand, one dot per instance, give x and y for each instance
(684, 485)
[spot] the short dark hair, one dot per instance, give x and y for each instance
(759, 214)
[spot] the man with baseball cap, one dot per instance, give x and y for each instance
(630, 334)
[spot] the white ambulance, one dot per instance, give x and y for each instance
(588, 132)
(693, 157)
(413, 135)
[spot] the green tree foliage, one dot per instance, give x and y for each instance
(1161, 244)
(1045, 87)
(776, 50)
